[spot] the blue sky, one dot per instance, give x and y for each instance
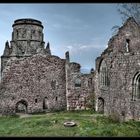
(81, 29)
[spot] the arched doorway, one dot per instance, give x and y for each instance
(100, 105)
(45, 103)
(21, 106)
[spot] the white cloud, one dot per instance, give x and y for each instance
(81, 48)
(69, 47)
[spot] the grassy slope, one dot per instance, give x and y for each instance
(51, 124)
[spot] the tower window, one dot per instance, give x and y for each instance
(55, 98)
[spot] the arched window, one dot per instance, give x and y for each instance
(104, 80)
(136, 87)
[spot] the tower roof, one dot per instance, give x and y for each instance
(27, 21)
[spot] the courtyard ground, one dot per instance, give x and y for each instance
(52, 124)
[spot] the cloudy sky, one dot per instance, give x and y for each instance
(81, 29)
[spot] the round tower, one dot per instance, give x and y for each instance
(27, 37)
(27, 29)
(27, 40)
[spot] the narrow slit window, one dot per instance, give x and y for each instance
(127, 45)
(90, 82)
(35, 100)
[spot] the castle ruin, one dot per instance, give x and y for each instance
(33, 80)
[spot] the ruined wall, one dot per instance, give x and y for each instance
(79, 96)
(123, 62)
(79, 88)
(33, 80)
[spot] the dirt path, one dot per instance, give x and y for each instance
(22, 115)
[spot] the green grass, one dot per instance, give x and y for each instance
(51, 124)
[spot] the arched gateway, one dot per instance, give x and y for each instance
(21, 106)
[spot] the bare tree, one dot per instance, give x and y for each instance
(127, 10)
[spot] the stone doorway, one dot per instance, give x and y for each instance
(100, 105)
(21, 107)
(45, 103)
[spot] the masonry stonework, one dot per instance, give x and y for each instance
(33, 80)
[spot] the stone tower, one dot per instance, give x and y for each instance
(27, 40)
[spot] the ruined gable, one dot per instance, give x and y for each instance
(129, 33)
(122, 61)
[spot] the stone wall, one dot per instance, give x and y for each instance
(35, 79)
(79, 96)
(80, 87)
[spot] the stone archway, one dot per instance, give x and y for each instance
(100, 105)
(21, 106)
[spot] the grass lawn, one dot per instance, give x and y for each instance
(51, 124)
